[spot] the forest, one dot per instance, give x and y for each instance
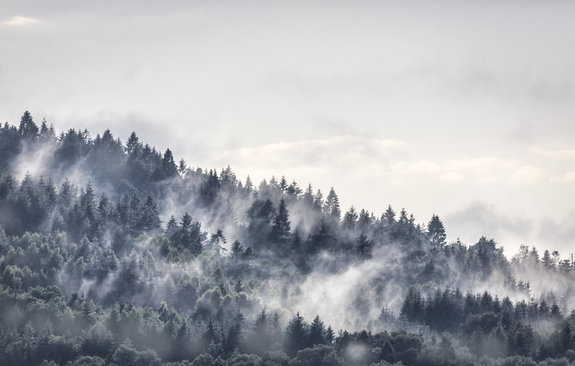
(115, 253)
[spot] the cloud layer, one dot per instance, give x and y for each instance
(19, 21)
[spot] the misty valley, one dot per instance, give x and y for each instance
(115, 253)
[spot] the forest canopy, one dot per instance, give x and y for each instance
(116, 253)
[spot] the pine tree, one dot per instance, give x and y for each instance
(350, 219)
(168, 165)
(28, 129)
(296, 335)
(150, 219)
(332, 206)
(236, 250)
(87, 202)
(329, 335)
(283, 184)
(316, 332)
(364, 246)
(436, 231)
(248, 187)
(281, 227)
(388, 216)
(133, 143)
(318, 201)
(261, 323)
(182, 166)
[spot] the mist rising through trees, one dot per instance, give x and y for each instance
(113, 253)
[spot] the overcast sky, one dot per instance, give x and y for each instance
(465, 109)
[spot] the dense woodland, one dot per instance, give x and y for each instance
(116, 253)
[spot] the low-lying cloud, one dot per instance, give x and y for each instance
(527, 175)
(344, 153)
(19, 21)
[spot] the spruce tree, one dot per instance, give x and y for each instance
(281, 227)
(436, 231)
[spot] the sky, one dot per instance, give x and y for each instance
(464, 109)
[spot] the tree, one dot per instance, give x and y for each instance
(281, 227)
(261, 323)
(296, 335)
(260, 215)
(182, 166)
(169, 167)
(188, 235)
(307, 197)
(236, 250)
(350, 218)
(547, 260)
(332, 206)
(150, 219)
(28, 128)
(133, 143)
(364, 246)
(283, 184)
(413, 305)
(316, 332)
(249, 186)
(445, 351)
(388, 217)
(88, 203)
(318, 202)
(436, 231)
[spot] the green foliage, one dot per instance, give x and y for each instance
(89, 276)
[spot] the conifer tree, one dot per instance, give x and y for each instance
(332, 206)
(281, 227)
(436, 231)
(296, 335)
(150, 219)
(28, 129)
(316, 332)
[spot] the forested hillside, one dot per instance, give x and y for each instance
(114, 252)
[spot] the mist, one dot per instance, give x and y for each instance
(201, 263)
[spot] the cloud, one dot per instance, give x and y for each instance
(358, 154)
(18, 21)
(528, 175)
(569, 176)
(482, 219)
(452, 177)
(567, 153)
(558, 232)
(457, 170)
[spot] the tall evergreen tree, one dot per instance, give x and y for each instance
(296, 335)
(28, 128)
(436, 231)
(332, 206)
(281, 227)
(150, 219)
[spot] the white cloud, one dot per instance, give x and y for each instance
(487, 179)
(452, 177)
(346, 153)
(455, 170)
(18, 21)
(528, 175)
(569, 176)
(567, 153)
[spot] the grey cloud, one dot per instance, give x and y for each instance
(511, 229)
(524, 131)
(481, 219)
(332, 127)
(106, 7)
(558, 232)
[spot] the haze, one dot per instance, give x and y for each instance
(462, 109)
